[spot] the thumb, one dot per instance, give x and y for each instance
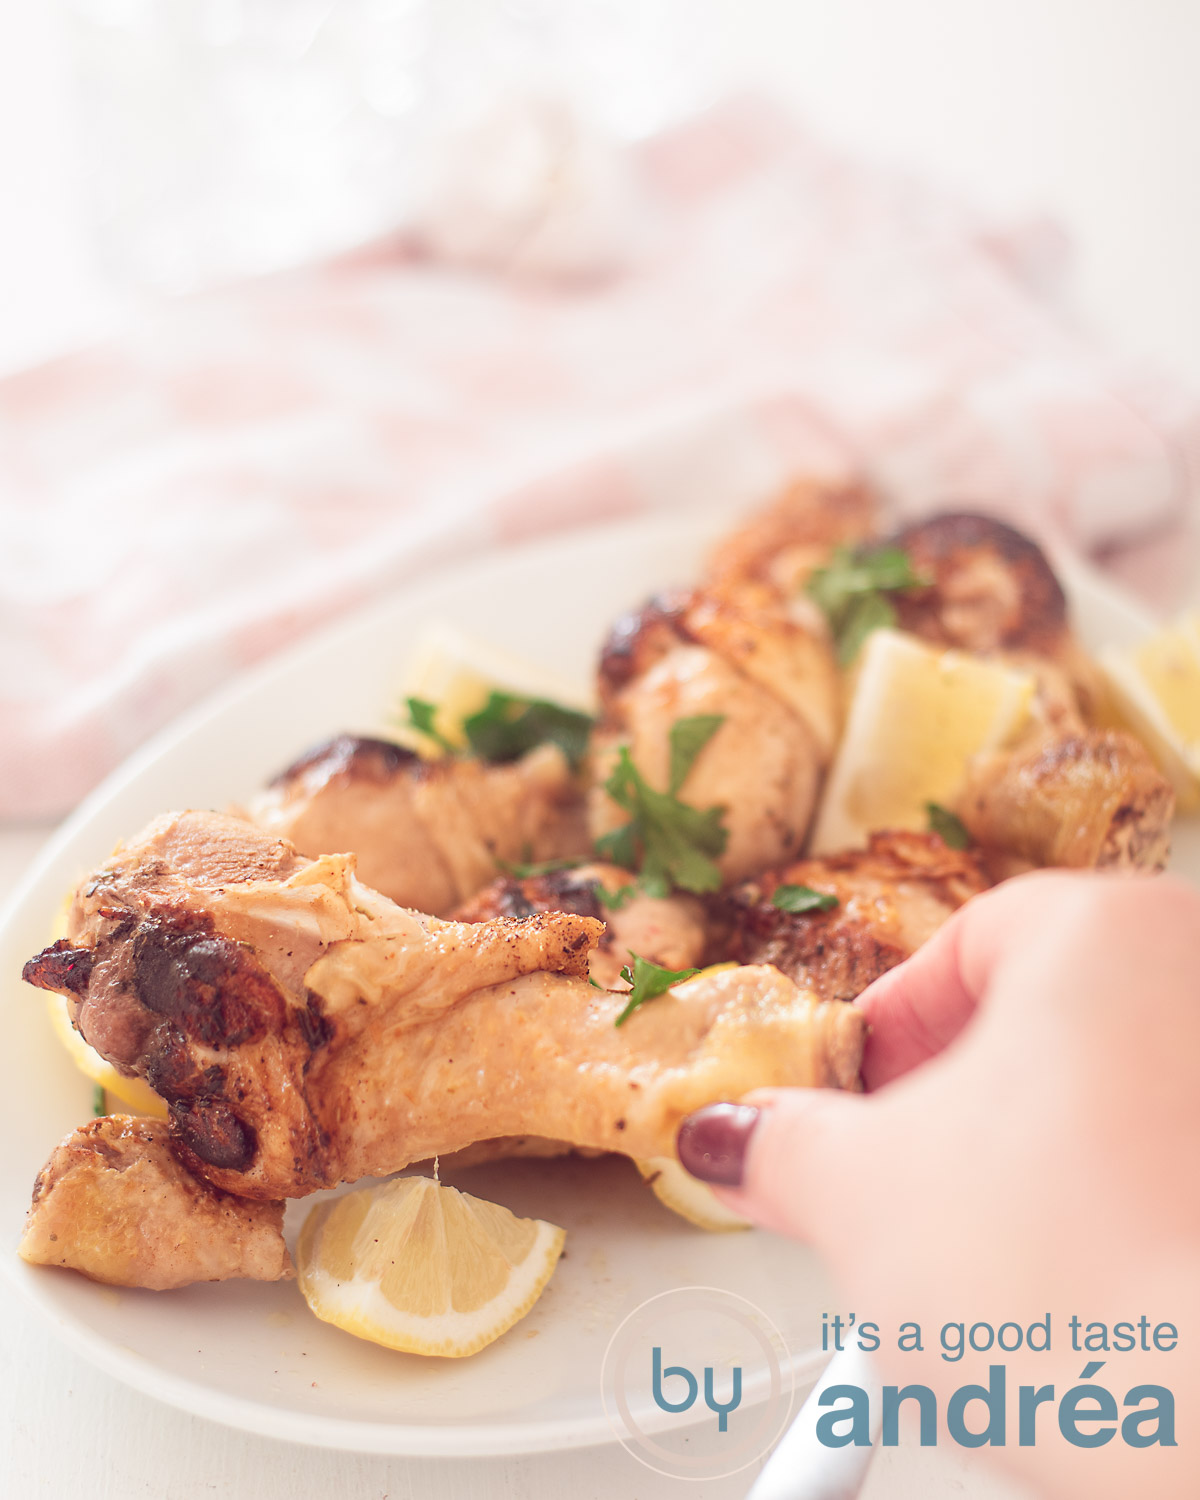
(780, 1158)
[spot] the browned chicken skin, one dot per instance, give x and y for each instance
(782, 542)
(991, 587)
(116, 1203)
(670, 931)
(305, 1031)
(426, 833)
(1071, 799)
(892, 897)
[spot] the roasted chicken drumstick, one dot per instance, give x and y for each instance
(890, 898)
(427, 834)
(305, 1031)
(772, 683)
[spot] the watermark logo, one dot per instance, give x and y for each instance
(697, 1383)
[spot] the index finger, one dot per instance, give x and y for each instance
(918, 1008)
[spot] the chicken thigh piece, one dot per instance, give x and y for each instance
(780, 544)
(427, 833)
(304, 1031)
(667, 930)
(891, 897)
(115, 1203)
(1083, 799)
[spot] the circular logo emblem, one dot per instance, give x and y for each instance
(697, 1383)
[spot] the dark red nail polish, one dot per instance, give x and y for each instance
(712, 1142)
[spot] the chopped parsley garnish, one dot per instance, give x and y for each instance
(99, 1101)
(851, 591)
(421, 716)
(508, 725)
(670, 843)
(527, 869)
(802, 898)
(948, 827)
(616, 900)
(646, 982)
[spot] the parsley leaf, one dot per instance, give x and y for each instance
(421, 716)
(647, 981)
(948, 826)
(671, 843)
(688, 738)
(531, 869)
(508, 725)
(616, 900)
(850, 592)
(866, 613)
(99, 1101)
(802, 898)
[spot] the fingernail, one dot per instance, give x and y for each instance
(712, 1142)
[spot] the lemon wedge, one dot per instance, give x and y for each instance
(917, 716)
(686, 1196)
(1155, 689)
(458, 672)
(415, 1265)
(138, 1094)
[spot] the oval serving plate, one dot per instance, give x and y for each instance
(252, 1355)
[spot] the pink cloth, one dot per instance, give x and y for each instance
(245, 464)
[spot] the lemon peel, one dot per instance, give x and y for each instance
(418, 1266)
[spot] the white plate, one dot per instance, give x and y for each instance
(252, 1355)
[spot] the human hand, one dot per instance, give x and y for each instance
(1029, 1145)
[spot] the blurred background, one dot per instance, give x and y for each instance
(150, 145)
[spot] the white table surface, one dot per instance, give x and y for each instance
(1086, 107)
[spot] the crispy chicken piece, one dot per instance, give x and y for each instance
(428, 834)
(1066, 794)
(995, 593)
(747, 645)
(1092, 798)
(780, 544)
(671, 931)
(305, 1031)
(892, 897)
(666, 930)
(774, 683)
(992, 588)
(115, 1202)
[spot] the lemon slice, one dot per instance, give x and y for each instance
(686, 1196)
(132, 1091)
(414, 1265)
(917, 716)
(458, 672)
(1155, 689)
